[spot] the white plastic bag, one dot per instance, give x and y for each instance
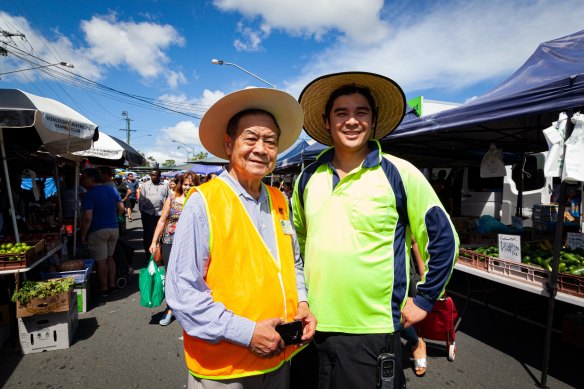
(574, 159)
(492, 164)
(555, 136)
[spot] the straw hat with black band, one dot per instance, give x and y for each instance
(285, 109)
(389, 97)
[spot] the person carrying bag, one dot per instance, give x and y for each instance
(151, 281)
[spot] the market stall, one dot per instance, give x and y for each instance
(512, 116)
(33, 131)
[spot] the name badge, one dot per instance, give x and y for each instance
(287, 227)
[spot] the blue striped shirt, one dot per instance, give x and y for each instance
(186, 290)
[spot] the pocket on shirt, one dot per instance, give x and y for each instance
(370, 213)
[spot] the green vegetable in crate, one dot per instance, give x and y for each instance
(579, 271)
(42, 289)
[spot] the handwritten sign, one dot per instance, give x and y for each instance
(575, 240)
(510, 247)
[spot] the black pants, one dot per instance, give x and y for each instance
(149, 225)
(347, 361)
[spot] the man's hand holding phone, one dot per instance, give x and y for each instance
(265, 341)
(308, 321)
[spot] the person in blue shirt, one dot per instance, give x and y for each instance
(99, 228)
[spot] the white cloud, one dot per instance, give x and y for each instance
(251, 39)
(196, 106)
(174, 79)
(359, 20)
(185, 131)
(140, 46)
(454, 46)
(50, 49)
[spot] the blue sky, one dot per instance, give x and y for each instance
(162, 51)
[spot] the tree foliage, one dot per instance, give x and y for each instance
(200, 155)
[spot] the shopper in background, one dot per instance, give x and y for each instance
(153, 193)
(167, 224)
(107, 176)
(133, 185)
(417, 345)
(99, 231)
(172, 184)
(122, 188)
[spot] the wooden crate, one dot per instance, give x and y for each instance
(36, 251)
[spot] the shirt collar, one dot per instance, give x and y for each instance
(371, 160)
(233, 183)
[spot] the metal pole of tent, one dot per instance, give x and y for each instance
(552, 284)
(58, 187)
(76, 213)
(9, 187)
(519, 207)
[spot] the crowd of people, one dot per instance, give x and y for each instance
(334, 266)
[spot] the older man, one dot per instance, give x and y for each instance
(235, 272)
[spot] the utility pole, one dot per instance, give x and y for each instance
(127, 129)
(7, 34)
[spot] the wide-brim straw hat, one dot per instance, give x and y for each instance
(284, 107)
(388, 95)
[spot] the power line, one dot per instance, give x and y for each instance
(79, 81)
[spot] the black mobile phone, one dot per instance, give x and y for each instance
(385, 370)
(291, 333)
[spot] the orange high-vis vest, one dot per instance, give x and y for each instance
(245, 277)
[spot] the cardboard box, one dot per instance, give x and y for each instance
(51, 331)
(83, 293)
(41, 306)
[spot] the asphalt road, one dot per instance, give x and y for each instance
(121, 345)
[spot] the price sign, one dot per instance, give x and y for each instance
(510, 247)
(575, 240)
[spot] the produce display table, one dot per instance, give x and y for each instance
(34, 264)
(542, 291)
(16, 272)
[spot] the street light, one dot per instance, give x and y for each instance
(66, 64)
(187, 150)
(141, 136)
(221, 62)
(192, 149)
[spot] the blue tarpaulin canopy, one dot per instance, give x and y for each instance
(206, 169)
(292, 156)
(511, 115)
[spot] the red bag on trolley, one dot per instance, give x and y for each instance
(439, 324)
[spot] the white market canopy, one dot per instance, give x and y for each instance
(51, 125)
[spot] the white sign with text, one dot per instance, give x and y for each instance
(510, 247)
(575, 240)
